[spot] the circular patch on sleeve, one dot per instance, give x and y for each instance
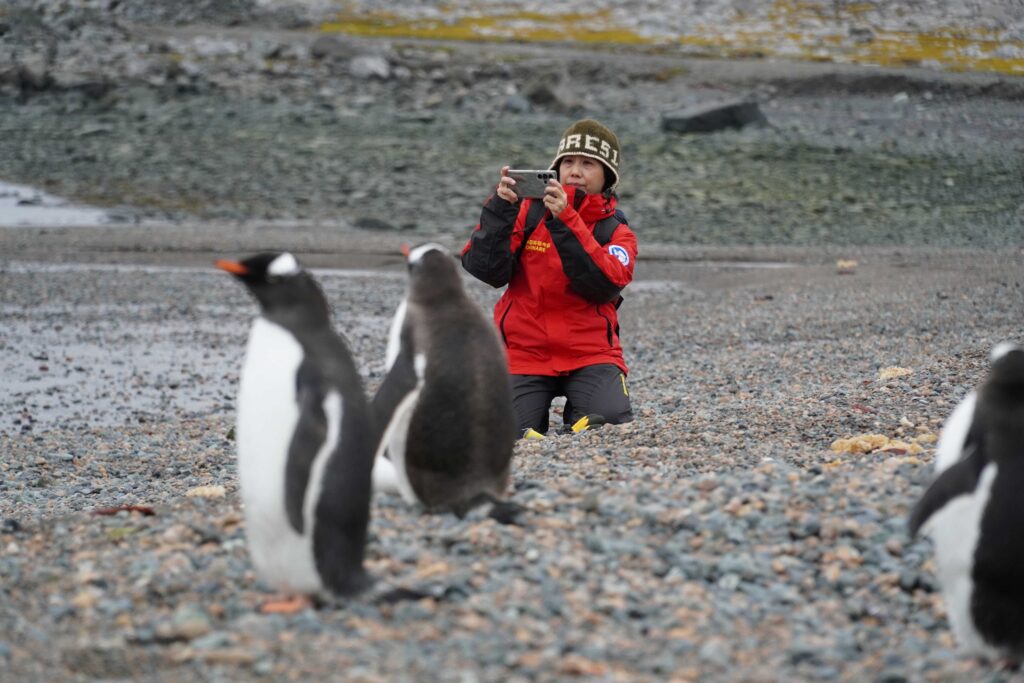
(619, 252)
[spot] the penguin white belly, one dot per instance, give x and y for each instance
(955, 530)
(267, 416)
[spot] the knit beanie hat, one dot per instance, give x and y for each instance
(591, 139)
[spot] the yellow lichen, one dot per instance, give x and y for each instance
(215, 491)
(874, 443)
(775, 34)
(865, 443)
(893, 373)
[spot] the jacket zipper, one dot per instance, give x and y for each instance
(608, 325)
(501, 325)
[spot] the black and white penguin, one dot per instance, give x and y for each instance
(973, 514)
(445, 405)
(304, 436)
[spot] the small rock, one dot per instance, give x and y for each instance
(716, 652)
(330, 47)
(212, 640)
(518, 104)
(188, 623)
(591, 502)
(370, 66)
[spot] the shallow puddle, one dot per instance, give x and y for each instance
(23, 206)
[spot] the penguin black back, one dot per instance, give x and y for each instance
(997, 605)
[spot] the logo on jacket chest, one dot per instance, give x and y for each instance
(537, 245)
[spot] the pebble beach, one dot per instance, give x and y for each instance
(812, 299)
(717, 537)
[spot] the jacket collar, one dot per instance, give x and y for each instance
(590, 207)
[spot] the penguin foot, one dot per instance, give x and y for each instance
(532, 433)
(286, 604)
(506, 512)
(501, 511)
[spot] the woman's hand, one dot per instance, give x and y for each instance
(505, 185)
(554, 197)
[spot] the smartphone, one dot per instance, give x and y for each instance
(531, 183)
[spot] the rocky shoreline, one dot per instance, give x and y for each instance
(264, 122)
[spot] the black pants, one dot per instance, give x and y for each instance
(595, 389)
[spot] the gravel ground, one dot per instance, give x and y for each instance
(715, 538)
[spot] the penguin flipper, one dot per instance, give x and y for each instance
(400, 381)
(393, 406)
(956, 480)
(309, 435)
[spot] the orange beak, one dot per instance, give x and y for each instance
(404, 249)
(233, 267)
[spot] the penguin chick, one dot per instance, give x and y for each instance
(445, 405)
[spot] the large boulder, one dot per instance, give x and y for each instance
(708, 118)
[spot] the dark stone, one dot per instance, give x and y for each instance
(891, 677)
(95, 90)
(798, 654)
(806, 529)
(371, 223)
(708, 118)
(909, 580)
(541, 94)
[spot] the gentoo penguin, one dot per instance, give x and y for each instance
(304, 435)
(445, 405)
(973, 513)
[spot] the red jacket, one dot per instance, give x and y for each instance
(559, 311)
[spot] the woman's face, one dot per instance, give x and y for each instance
(582, 172)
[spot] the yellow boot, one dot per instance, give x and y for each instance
(587, 422)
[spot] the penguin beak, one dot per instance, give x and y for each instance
(404, 249)
(233, 267)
